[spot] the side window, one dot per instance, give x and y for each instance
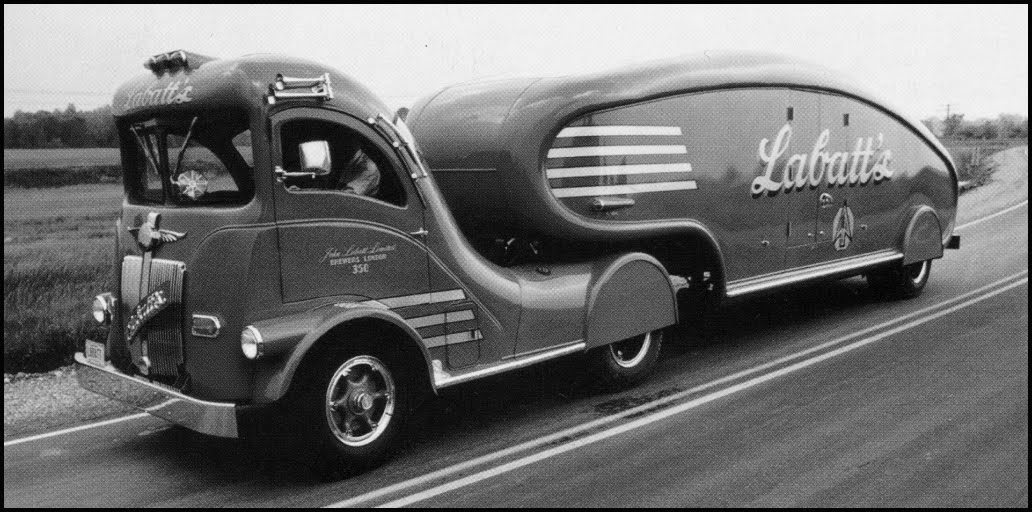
(358, 166)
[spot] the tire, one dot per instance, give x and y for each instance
(901, 281)
(352, 409)
(625, 363)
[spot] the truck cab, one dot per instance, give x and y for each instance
(282, 242)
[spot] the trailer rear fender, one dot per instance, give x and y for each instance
(923, 238)
(288, 341)
(631, 294)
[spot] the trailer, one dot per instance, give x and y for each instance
(748, 172)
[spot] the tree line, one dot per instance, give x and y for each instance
(74, 128)
(955, 127)
(70, 128)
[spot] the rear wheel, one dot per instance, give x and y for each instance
(901, 281)
(627, 362)
(352, 409)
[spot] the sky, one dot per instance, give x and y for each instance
(920, 58)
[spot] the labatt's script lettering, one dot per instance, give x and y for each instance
(836, 169)
(176, 92)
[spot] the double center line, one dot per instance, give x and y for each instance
(592, 432)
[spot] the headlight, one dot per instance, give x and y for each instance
(103, 306)
(251, 342)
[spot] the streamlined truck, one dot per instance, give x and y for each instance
(285, 244)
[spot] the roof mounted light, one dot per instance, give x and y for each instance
(175, 61)
(286, 87)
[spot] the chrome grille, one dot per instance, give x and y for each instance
(163, 335)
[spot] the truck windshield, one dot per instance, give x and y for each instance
(189, 160)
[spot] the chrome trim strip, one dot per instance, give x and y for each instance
(470, 169)
(440, 318)
(444, 379)
(602, 131)
(454, 338)
(447, 296)
(612, 190)
(426, 321)
(766, 282)
(419, 298)
(212, 418)
(616, 170)
(617, 150)
(460, 316)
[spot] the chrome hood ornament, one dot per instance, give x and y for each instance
(149, 236)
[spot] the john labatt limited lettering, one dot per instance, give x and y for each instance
(836, 169)
(176, 92)
(356, 254)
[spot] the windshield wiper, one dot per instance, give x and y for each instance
(182, 150)
(149, 152)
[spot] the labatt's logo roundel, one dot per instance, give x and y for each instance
(842, 227)
(819, 166)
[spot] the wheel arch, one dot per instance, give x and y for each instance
(276, 378)
(633, 278)
(922, 238)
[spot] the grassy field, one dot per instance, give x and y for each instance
(58, 245)
(971, 156)
(59, 158)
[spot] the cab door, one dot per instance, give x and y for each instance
(338, 235)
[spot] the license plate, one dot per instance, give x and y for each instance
(95, 353)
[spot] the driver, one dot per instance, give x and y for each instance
(360, 175)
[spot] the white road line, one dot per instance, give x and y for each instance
(76, 429)
(990, 216)
(576, 430)
(652, 418)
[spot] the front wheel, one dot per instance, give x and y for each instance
(625, 363)
(352, 410)
(901, 281)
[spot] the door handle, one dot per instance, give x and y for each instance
(421, 233)
(826, 200)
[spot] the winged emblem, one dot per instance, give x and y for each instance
(149, 235)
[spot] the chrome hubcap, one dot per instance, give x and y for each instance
(630, 352)
(360, 401)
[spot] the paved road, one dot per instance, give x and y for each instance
(906, 413)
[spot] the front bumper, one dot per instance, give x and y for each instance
(212, 418)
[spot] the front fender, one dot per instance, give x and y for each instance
(630, 295)
(287, 340)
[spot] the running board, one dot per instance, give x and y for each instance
(443, 379)
(777, 280)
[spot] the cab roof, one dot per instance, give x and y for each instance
(241, 82)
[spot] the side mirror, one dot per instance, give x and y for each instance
(315, 157)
